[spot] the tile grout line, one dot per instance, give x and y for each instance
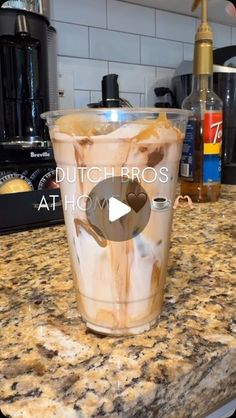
(100, 60)
(155, 23)
(106, 14)
(152, 66)
(123, 31)
(89, 42)
(140, 50)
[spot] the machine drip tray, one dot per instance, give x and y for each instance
(27, 210)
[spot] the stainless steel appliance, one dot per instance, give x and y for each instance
(225, 88)
(28, 87)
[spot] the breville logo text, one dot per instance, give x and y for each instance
(39, 155)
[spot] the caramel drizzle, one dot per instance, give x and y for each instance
(102, 242)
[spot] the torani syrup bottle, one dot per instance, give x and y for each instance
(200, 168)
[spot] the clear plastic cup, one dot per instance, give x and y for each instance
(119, 283)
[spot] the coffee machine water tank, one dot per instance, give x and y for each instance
(28, 85)
(22, 85)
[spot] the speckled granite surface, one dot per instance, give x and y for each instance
(51, 367)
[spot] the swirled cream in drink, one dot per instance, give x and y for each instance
(118, 170)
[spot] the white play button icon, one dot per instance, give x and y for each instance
(117, 209)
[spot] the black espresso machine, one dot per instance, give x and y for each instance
(225, 87)
(29, 194)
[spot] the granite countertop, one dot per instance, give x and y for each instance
(50, 366)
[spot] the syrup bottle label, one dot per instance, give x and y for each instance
(186, 166)
(212, 147)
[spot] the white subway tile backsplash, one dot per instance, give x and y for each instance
(87, 73)
(222, 35)
(162, 79)
(188, 52)
(96, 96)
(142, 45)
(133, 98)
(130, 18)
(175, 26)
(51, 9)
(114, 46)
(233, 40)
(161, 52)
(72, 39)
(142, 100)
(164, 73)
(81, 98)
(84, 12)
(131, 77)
(65, 86)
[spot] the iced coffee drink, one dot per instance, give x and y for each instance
(119, 281)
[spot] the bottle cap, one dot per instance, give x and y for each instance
(204, 32)
(203, 52)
